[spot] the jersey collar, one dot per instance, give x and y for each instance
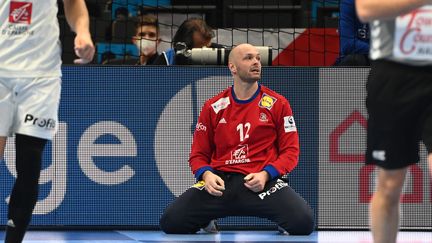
(248, 100)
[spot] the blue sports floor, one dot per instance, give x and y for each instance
(125, 236)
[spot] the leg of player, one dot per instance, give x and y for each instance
(384, 210)
(25, 191)
(279, 203)
(295, 218)
(2, 147)
(193, 210)
(430, 165)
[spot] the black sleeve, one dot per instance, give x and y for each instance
(160, 60)
(216, 45)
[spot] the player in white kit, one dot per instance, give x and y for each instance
(30, 84)
(399, 101)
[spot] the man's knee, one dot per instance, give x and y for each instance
(390, 184)
(171, 223)
(300, 223)
(303, 225)
(2, 146)
(166, 224)
(430, 163)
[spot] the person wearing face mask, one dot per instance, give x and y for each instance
(192, 33)
(146, 40)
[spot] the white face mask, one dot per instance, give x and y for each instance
(146, 47)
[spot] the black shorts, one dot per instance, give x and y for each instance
(399, 103)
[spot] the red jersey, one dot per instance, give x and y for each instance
(245, 136)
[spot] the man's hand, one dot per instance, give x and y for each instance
(84, 49)
(256, 181)
(213, 183)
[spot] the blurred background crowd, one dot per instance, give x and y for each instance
(298, 32)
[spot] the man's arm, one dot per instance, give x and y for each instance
(368, 10)
(78, 19)
(202, 144)
(201, 152)
(287, 142)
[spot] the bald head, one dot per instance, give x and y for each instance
(244, 63)
(240, 49)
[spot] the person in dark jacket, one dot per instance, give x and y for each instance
(192, 33)
(354, 37)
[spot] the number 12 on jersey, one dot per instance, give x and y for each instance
(243, 130)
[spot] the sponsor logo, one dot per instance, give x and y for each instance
(412, 35)
(379, 155)
(239, 156)
(14, 30)
(267, 101)
(222, 121)
(200, 127)
(47, 123)
(289, 124)
(200, 185)
(20, 12)
(279, 185)
(10, 223)
(87, 150)
(263, 117)
(221, 104)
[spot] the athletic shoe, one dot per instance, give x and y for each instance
(282, 231)
(212, 227)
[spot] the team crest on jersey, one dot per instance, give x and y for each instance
(20, 12)
(263, 117)
(267, 101)
(221, 104)
(200, 185)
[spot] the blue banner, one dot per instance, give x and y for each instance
(120, 156)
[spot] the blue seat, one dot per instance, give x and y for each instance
(120, 50)
(133, 5)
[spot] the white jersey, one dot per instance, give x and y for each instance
(29, 39)
(406, 39)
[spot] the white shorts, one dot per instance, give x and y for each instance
(29, 106)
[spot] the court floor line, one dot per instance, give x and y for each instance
(135, 236)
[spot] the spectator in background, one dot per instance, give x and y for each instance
(192, 33)
(354, 37)
(122, 15)
(146, 39)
